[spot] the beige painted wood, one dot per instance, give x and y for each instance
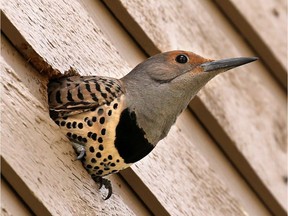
(82, 45)
(220, 164)
(264, 24)
(11, 204)
(248, 105)
(113, 31)
(38, 161)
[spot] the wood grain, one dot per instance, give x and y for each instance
(64, 35)
(265, 28)
(11, 204)
(247, 104)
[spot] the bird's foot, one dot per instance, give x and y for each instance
(102, 181)
(80, 149)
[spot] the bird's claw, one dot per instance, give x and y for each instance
(81, 154)
(107, 184)
(80, 149)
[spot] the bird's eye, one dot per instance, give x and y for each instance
(182, 59)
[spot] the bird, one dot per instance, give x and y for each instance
(113, 123)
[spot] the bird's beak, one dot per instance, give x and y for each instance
(226, 64)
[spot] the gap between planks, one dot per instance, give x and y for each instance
(22, 189)
(253, 38)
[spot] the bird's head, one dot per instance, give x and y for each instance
(176, 71)
(168, 81)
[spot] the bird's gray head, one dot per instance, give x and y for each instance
(159, 88)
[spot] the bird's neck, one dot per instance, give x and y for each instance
(156, 114)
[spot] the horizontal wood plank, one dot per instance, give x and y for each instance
(11, 203)
(240, 101)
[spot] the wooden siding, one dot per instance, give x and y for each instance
(226, 154)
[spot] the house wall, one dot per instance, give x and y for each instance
(227, 152)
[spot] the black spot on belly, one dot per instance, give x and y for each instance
(89, 134)
(91, 149)
(102, 120)
(74, 124)
(130, 140)
(98, 155)
(94, 136)
(68, 125)
(89, 123)
(103, 131)
(80, 125)
(101, 147)
(115, 106)
(100, 140)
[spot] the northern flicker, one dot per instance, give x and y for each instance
(112, 123)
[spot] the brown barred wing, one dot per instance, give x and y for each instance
(73, 95)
